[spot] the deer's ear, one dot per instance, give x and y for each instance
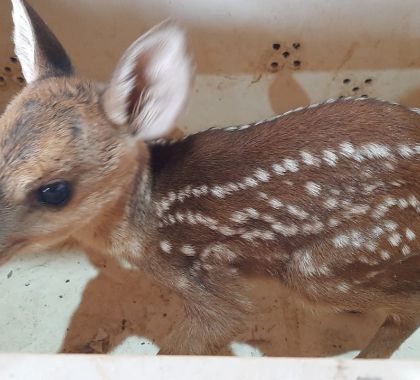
(40, 53)
(151, 83)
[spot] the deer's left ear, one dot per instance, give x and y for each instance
(151, 83)
(40, 53)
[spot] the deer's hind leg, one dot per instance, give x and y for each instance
(390, 335)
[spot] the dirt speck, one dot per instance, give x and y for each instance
(10, 274)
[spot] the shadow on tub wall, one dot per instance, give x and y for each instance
(273, 38)
(119, 303)
(124, 302)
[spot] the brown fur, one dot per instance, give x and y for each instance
(56, 128)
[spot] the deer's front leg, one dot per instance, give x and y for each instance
(215, 313)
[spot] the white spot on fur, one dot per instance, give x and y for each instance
(252, 212)
(171, 196)
(365, 260)
(374, 150)
(341, 241)
(350, 189)
(371, 246)
(315, 105)
(251, 182)
(388, 165)
(348, 150)
(221, 252)
(313, 188)
(385, 255)
(203, 189)
(383, 207)
(268, 218)
(377, 231)
(331, 203)
(310, 159)
(395, 239)
(343, 287)
(279, 169)
(402, 203)
(410, 234)
(290, 165)
(182, 283)
(304, 262)
(165, 246)
(405, 250)
(218, 192)
(412, 200)
(357, 210)
(333, 222)
(390, 225)
(315, 227)
(181, 196)
(390, 201)
(405, 151)
(356, 239)
(263, 195)
(285, 230)
(397, 183)
(232, 186)
(239, 217)
(330, 157)
(275, 203)
(297, 211)
(262, 175)
(188, 250)
(258, 234)
(191, 218)
(225, 230)
(369, 188)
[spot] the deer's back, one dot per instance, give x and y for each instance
(326, 198)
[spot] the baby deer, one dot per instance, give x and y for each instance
(323, 198)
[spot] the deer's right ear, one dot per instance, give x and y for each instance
(151, 83)
(39, 52)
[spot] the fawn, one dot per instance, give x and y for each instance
(323, 198)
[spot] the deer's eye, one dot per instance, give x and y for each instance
(55, 194)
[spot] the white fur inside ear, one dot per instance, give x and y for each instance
(165, 76)
(24, 40)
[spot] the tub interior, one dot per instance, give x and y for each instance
(254, 60)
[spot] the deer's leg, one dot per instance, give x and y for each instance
(211, 321)
(392, 333)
